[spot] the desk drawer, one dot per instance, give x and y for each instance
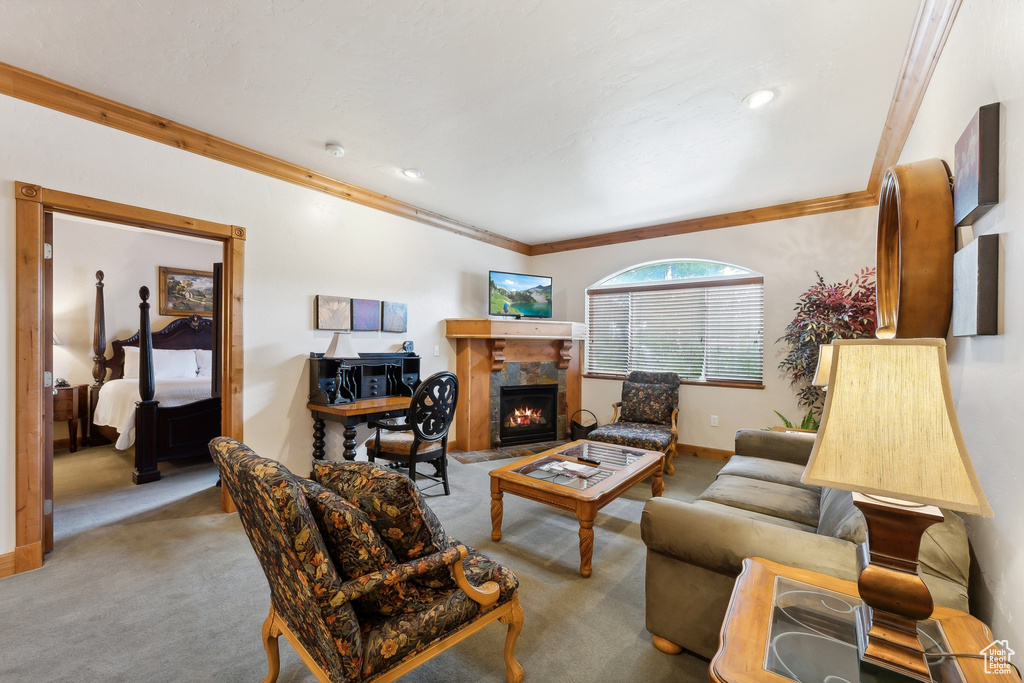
(372, 387)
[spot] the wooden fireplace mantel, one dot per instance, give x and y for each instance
(484, 345)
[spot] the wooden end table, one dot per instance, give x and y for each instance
(69, 405)
(786, 624)
(619, 470)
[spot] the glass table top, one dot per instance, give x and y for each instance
(581, 475)
(813, 638)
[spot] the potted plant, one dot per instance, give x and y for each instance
(825, 312)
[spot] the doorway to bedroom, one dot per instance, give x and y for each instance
(33, 337)
(98, 269)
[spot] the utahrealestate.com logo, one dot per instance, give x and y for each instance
(997, 657)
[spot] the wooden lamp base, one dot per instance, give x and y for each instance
(893, 592)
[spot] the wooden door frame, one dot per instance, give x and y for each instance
(32, 203)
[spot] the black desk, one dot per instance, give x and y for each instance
(350, 415)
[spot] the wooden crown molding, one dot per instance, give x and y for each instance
(807, 207)
(934, 21)
(51, 94)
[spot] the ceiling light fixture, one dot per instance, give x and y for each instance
(759, 98)
(413, 173)
(334, 149)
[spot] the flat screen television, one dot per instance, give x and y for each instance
(518, 295)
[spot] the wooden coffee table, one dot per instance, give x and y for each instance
(619, 470)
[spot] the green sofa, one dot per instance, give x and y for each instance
(757, 507)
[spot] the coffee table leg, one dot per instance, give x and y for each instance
(657, 483)
(586, 547)
(496, 514)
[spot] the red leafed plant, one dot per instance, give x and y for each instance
(826, 312)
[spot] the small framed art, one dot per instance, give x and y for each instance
(976, 167)
(185, 292)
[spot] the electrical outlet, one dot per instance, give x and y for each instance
(437, 350)
(714, 420)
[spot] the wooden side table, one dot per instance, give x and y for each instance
(69, 406)
(786, 624)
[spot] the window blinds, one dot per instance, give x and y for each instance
(712, 332)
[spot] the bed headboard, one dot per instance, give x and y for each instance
(193, 332)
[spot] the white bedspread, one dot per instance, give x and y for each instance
(116, 404)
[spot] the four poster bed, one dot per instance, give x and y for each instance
(161, 392)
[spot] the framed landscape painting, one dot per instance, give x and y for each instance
(185, 292)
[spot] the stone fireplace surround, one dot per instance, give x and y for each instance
(492, 351)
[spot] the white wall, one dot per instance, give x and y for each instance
(300, 243)
(129, 259)
(786, 252)
(982, 63)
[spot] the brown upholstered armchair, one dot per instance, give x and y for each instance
(357, 608)
(646, 415)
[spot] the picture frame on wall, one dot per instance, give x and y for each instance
(185, 292)
(394, 316)
(333, 313)
(366, 315)
(976, 167)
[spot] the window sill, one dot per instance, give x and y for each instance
(728, 385)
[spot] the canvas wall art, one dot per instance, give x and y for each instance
(394, 316)
(366, 315)
(332, 313)
(976, 167)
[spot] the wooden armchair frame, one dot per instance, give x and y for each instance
(670, 452)
(510, 614)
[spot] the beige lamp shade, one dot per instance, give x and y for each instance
(340, 346)
(889, 427)
(824, 369)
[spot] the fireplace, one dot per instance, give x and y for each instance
(527, 413)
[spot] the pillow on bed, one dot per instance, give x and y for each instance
(167, 363)
(204, 358)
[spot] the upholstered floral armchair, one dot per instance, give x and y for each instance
(646, 415)
(364, 582)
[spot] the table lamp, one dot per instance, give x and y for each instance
(821, 373)
(889, 433)
(340, 346)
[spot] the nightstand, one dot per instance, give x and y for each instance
(786, 624)
(69, 406)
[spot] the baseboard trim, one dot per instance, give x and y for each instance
(703, 452)
(6, 565)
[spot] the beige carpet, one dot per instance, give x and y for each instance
(153, 583)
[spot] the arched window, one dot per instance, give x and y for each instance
(701, 319)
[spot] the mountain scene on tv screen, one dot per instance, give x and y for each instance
(524, 295)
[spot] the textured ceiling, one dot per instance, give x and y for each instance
(539, 121)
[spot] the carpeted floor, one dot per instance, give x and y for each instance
(153, 583)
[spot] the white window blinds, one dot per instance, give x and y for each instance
(706, 332)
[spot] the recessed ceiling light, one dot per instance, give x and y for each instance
(412, 173)
(334, 149)
(759, 98)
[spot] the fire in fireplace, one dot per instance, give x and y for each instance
(528, 413)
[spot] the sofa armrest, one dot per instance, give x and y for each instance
(712, 537)
(794, 447)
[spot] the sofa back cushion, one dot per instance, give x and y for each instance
(839, 518)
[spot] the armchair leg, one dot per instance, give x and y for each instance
(271, 632)
(514, 619)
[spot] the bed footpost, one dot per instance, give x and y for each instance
(145, 443)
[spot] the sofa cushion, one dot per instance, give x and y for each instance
(839, 517)
(766, 470)
(635, 434)
(648, 403)
(767, 497)
(750, 514)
